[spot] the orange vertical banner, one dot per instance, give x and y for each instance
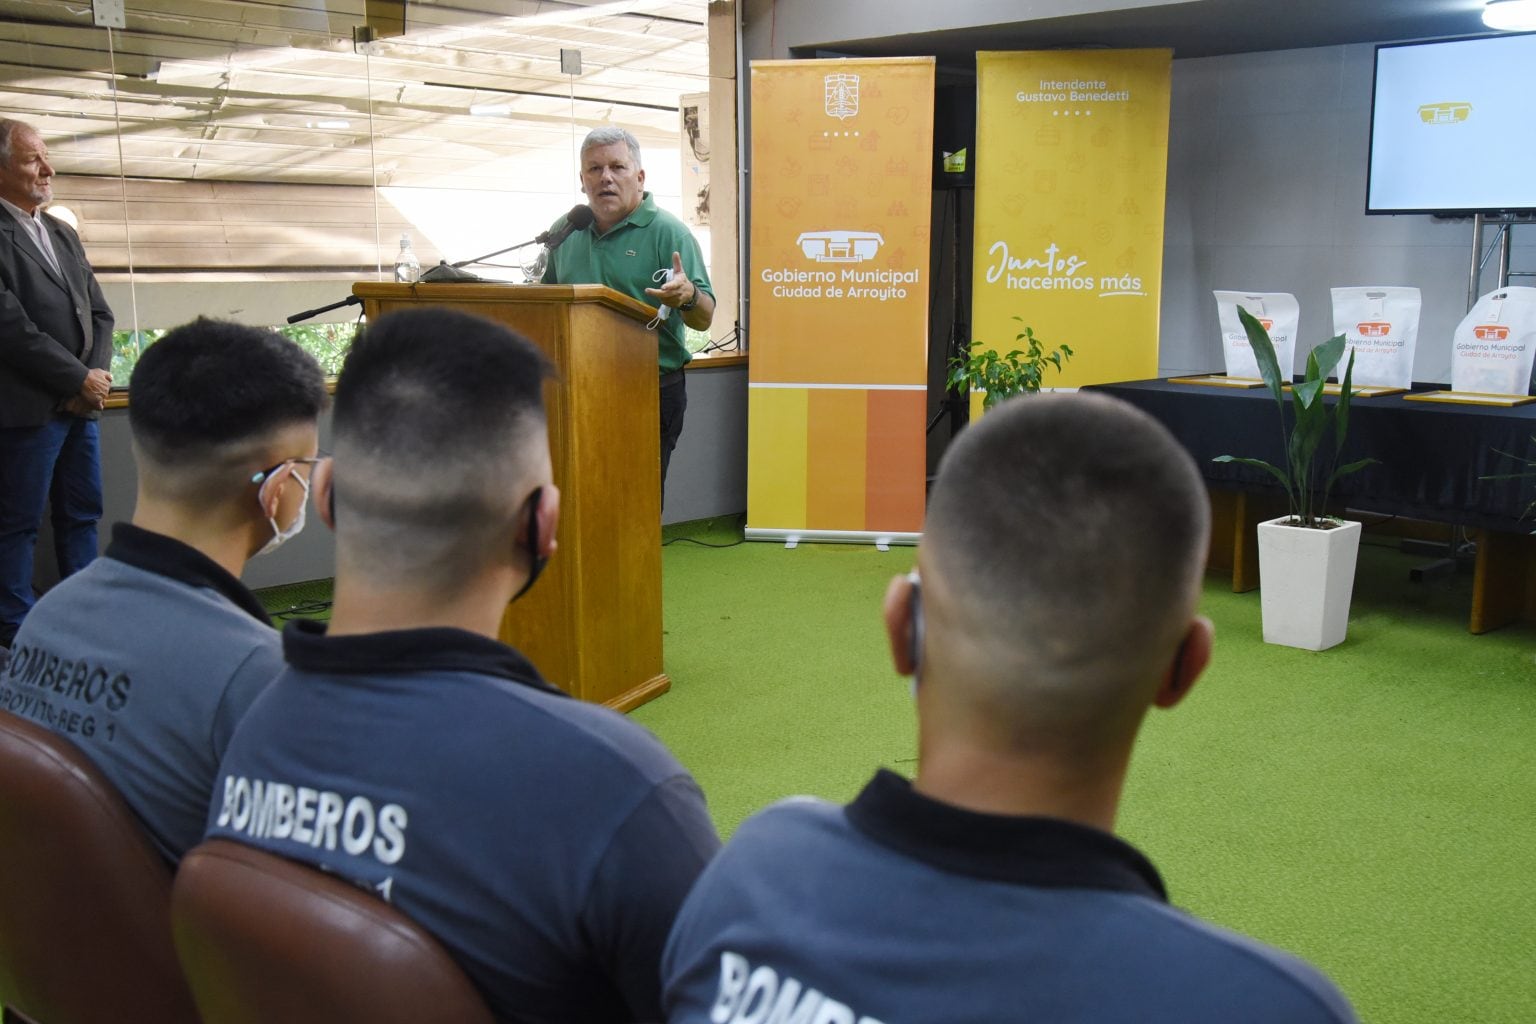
(842, 180)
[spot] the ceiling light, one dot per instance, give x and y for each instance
(1510, 15)
(334, 123)
(489, 109)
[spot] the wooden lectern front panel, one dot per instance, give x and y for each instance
(592, 624)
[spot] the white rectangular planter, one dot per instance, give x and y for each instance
(1305, 581)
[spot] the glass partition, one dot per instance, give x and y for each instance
(252, 159)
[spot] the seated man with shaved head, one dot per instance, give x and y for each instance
(148, 656)
(547, 843)
(1053, 606)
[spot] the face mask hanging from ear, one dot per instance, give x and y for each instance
(536, 562)
(281, 536)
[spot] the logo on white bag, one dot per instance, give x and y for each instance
(1373, 329)
(1490, 332)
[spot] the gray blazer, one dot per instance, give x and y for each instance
(52, 330)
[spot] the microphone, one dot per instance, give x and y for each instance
(579, 218)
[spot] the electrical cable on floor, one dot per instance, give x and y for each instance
(304, 610)
(701, 543)
(742, 516)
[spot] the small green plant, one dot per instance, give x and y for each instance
(1311, 420)
(1001, 376)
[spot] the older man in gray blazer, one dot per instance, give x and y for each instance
(55, 351)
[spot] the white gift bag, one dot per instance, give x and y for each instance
(1381, 326)
(1279, 312)
(1492, 348)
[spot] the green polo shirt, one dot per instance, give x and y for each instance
(627, 258)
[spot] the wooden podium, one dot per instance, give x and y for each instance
(592, 624)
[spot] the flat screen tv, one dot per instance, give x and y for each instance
(1453, 127)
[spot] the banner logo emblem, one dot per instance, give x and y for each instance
(1490, 332)
(840, 246)
(1374, 329)
(842, 96)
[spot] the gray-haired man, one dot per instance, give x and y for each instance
(645, 252)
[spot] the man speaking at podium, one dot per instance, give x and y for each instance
(645, 252)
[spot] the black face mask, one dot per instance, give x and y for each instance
(536, 562)
(916, 626)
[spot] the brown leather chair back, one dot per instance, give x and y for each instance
(266, 939)
(85, 923)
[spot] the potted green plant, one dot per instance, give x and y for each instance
(1306, 557)
(996, 376)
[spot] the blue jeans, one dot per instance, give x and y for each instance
(57, 464)
(674, 403)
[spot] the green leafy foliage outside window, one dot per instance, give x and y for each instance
(328, 343)
(695, 341)
(127, 346)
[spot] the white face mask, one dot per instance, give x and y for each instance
(281, 536)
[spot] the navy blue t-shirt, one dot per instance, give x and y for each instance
(899, 908)
(146, 659)
(546, 842)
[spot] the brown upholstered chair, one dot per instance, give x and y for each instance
(85, 923)
(266, 939)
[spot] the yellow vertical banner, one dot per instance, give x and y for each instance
(1071, 174)
(842, 181)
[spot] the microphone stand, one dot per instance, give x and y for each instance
(350, 300)
(578, 219)
(444, 271)
(498, 252)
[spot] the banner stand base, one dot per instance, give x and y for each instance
(794, 538)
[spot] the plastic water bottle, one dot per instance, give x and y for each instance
(407, 266)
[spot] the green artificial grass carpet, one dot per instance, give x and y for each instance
(1371, 808)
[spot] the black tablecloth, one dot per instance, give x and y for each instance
(1432, 455)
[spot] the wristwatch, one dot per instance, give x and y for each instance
(692, 302)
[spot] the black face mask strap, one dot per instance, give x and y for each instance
(915, 625)
(1177, 682)
(535, 562)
